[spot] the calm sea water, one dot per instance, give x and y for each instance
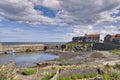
(18, 43)
(26, 59)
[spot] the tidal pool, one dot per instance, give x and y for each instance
(26, 59)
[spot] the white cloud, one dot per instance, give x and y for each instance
(22, 11)
(73, 12)
(81, 15)
(82, 12)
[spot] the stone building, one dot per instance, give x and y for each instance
(78, 39)
(87, 38)
(92, 38)
(115, 39)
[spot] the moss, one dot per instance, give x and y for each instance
(116, 51)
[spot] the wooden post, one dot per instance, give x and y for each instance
(1, 48)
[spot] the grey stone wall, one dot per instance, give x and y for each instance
(105, 46)
(23, 48)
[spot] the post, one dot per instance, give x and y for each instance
(1, 48)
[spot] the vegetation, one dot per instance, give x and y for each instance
(78, 76)
(2, 75)
(116, 51)
(7, 71)
(47, 77)
(77, 45)
(29, 71)
(106, 76)
(115, 74)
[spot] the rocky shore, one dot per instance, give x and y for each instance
(83, 58)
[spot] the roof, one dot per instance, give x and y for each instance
(92, 35)
(117, 35)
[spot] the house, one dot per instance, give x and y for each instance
(78, 39)
(87, 38)
(92, 38)
(115, 39)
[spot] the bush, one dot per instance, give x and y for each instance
(29, 71)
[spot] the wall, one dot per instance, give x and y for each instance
(23, 48)
(105, 46)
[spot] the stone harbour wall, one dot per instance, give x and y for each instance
(105, 46)
(22, 48)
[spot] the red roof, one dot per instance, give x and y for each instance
(117, 35)
(92, 35)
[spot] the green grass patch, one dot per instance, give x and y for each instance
(47, 77)
(78, 76)
(116, 51)
(29, 71)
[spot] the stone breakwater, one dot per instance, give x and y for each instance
(22, 48)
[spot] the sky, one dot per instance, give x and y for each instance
(57, 20)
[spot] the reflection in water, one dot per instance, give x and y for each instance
(26, 59)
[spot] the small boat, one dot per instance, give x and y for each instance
(10, 52)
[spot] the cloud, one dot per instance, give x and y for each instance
(23, 11)
(17, 30)
(103, 30)
(81, 16)
(85, 12)
(80, 12)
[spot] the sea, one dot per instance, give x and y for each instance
(19, 43)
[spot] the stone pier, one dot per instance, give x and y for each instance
(21, 48)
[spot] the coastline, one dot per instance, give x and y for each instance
(92, 58)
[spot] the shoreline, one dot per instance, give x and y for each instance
(77, 58)
(86, 57)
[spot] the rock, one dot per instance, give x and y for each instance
(98, 55)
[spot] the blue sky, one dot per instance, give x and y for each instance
(57, 21)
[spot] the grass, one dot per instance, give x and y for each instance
(106, 76)
(2, 75)
(116, 51)
(78, 76)
(69, 46)
(115, 74)
(47, 77)
(29, 71)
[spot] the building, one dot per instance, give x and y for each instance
(87, 38)
(115, 39)
(78, 39)
(92, 38)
